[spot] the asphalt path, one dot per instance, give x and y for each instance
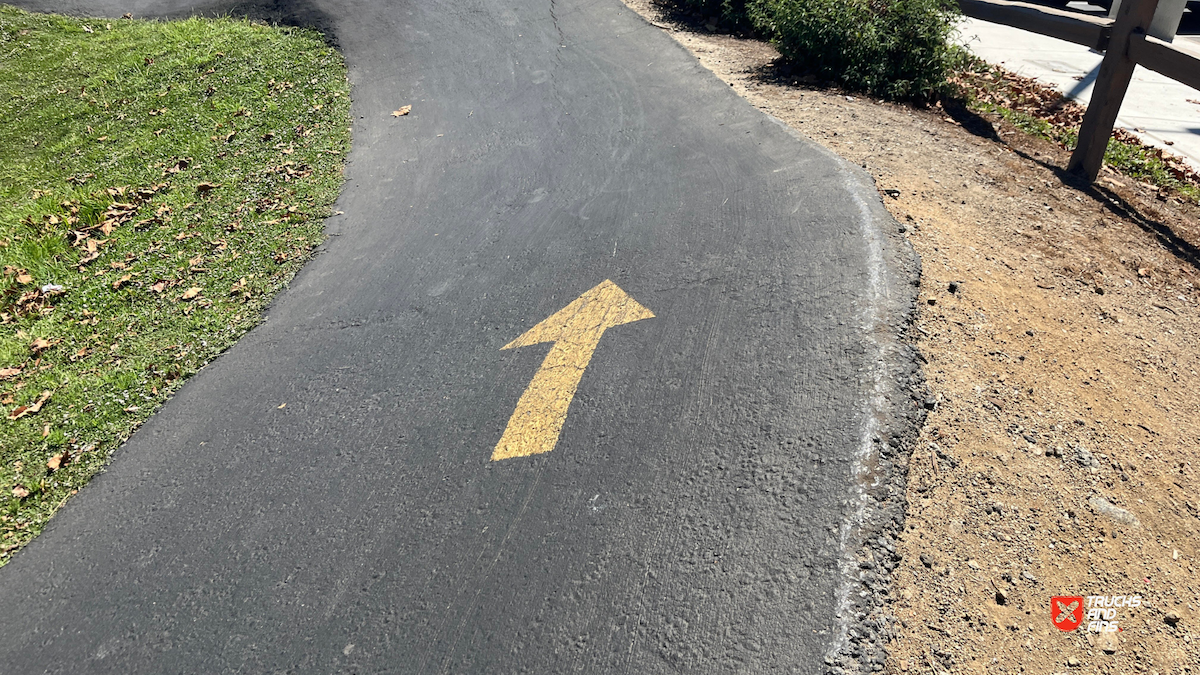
(699, 509)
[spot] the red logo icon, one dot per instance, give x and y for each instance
(1066, 611)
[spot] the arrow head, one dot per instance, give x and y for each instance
(586, 318)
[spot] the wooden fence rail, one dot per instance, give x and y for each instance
(1082, 29)
(1125, 45)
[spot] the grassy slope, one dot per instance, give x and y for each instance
(170, 178)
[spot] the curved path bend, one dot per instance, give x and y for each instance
(701, 311)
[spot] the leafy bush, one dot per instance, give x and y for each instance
(731, 12)
(893, 48)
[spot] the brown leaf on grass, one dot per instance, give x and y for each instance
(91, 248)
(83, 351)
(6, 373)
(402, 111)
(158, 286)
(33, 302)
(122, 281)
(40, 345)
(21, 411)
(46, 430)
(56, 461)
(20, 492)
(241, 287)
(207, 187)
(190, 293)
(24, 277)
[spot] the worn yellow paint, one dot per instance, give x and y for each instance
(575, 331)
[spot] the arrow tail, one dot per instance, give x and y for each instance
(538, 420)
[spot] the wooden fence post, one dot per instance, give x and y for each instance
(1116, 70)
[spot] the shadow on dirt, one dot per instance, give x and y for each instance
(1167, 237)
(1118, 206)
(969, 120)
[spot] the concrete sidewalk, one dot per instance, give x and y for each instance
(1162, 112)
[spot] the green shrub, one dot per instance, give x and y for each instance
(893, 48)
(731, 12)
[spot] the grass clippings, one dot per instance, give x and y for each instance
(159, 183)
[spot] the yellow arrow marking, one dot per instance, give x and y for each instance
(575, 331)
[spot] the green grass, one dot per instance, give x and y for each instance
(159, 183)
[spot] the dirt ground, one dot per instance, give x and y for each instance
(1061, 342)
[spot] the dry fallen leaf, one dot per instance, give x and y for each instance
(158, 286)
(6, 373)
(46, 430)
(122, 281)
(20, 492)
(40, 344)
(402, 111)
(24, 278)
(22, 411)
(190, 293)
(54, 462)
(205, 187)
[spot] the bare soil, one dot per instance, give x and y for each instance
(1060, 335)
